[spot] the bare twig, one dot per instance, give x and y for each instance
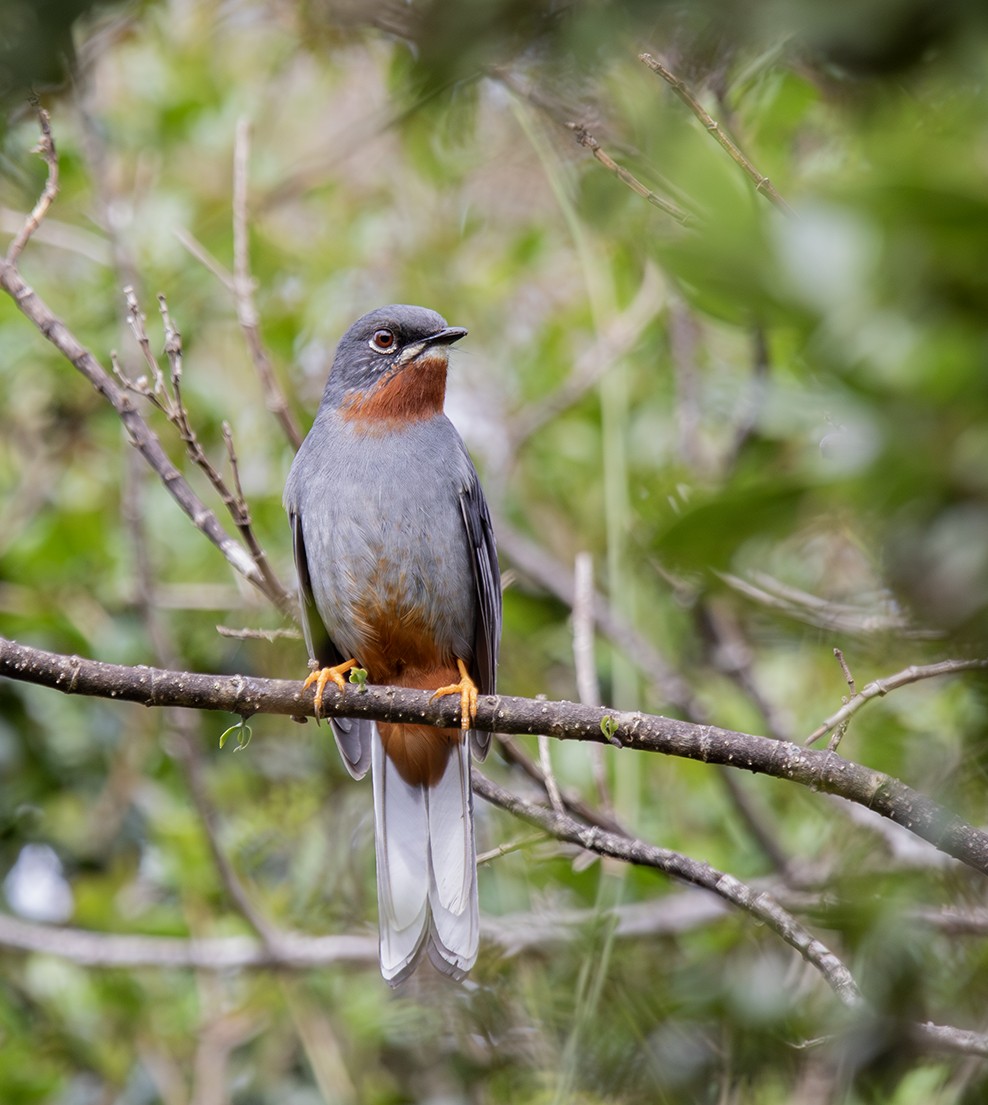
(878, 688)
(173, 406)
(758, 904)
(838, 734)
(548, 776)
(762, 183)
(46, 148)
(585, 663)
(821, 771)
(772, 593)
(517, 757)
(243, 290)
(586, 139)
(206, 259)
(551, 574)
(258, 634)
(94, 949)
(846, 670)
(617, 340)
(512, 846)
(141, 435)
(185, 724)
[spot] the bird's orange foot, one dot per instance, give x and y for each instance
(322, 676)
(467, 690)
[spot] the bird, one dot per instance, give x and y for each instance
(398, 575)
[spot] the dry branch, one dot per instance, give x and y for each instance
(762, 183)
(821, 771)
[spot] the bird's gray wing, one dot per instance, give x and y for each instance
(487, 584)
(353, 735)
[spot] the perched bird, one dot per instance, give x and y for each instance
(398, 575)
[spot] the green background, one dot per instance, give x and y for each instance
(796, 403)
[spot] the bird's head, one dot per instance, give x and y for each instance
(391, 366)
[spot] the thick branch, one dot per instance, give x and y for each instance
(822, 771)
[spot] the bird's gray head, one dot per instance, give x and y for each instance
(391, 365)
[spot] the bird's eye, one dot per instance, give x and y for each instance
(383, 341)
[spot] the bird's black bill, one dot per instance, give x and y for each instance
(447, 336)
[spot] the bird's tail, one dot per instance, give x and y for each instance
(426, 865)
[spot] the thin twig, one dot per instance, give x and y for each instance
(542, 567)
(585, 663)
(878, 688)
(548, 776)
(584, 660)
(140, 434)
(838, 734)
(618, 338)
(849, 678)
(512, 846)
(185, 748)
(826, 614)
(517, 757)
(206, 259)
(46, 148)
(758, 904)
(762, 183)
(173, 406)
(243, 290)
(258, 634)
(586, 139)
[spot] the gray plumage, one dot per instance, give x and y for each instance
(397, 569)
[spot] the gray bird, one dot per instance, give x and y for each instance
(398, 575)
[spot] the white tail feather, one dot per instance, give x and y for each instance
(426, 868)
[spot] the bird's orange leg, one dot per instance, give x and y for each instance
(322, 676)
(467, 690)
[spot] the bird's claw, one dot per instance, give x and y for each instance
(467, 690)
(322, 676)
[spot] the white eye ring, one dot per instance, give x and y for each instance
(384, 341)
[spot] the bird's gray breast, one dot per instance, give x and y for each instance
(384, 537)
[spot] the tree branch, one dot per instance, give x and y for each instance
(46, 148)
(880, 687)
(587, 140)
(821, 771)
(762, 183)
(142, 437)
(760, 905)
(242, 286)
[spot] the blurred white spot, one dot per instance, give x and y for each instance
(35, 887)
(828, 255)
(850, 445)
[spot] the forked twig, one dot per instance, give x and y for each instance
(173, 407)
(878, 688)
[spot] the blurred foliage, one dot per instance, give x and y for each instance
(806, 411)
